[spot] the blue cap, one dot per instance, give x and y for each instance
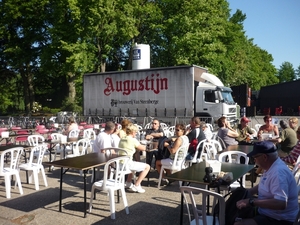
(263, 147)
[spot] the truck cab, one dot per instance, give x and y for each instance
(213, 99)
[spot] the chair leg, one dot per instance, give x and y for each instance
(36, 180)
(44, 177)
(125, 200)
(112, 204)
(91, 199)
(160, 176)
(7, 186)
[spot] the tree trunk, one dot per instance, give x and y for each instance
(72, 88)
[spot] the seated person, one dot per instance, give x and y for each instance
(287, 139)
(268, 128)
(293, 123)
(244, 131)
(226, 132)
(292, 157)
(181, 140)
(155, 132)
(195, 135)
(277, 201)
(131, 145)
(206, 130)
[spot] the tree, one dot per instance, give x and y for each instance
(286, 72)
(297, 73)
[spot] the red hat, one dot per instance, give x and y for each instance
(245, 119)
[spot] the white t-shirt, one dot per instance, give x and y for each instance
(103, 140)
(279, 183)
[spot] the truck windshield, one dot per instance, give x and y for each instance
(227, 97)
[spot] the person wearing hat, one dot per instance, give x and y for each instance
(244, 131)
(277, 201)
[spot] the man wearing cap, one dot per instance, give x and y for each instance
(277, 201)
(244, 131)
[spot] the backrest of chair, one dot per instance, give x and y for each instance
(56, 136)
(199, 148)
(254, 132)
(218, 145)
(89, 133)
(209, 150)
(257, 126)
(172, 130)
(35, 139)
(37, 154)
(190, 195)
(13, 154)
(296, 172)
(181, 152)
(120, 165)
(210, 126)
(74, 133)
(81, 146)
(233, 157)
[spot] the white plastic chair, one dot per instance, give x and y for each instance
(80, 148)
(171, 130)
(257, 126)
(176, 164)
(189, 162)
(111, 151)
(11, 169)
(56, 147)
(254, 132)
(199, 210)
(35, 140)
(296, 173)
(234, 157)
(73, 135)
(110, 185)
(210, 126)
(34, 165)
(89, 133)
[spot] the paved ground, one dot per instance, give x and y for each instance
(41, 207)
(159, 207)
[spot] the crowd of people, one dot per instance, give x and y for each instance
(277, 201)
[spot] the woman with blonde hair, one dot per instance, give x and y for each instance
(131, 145)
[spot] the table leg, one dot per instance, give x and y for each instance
(84, 181)
(60, 187)
(181, 206)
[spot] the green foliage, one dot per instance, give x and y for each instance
(47, 45)
(69, 105)
(286, 72)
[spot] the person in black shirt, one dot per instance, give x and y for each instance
(195, 135)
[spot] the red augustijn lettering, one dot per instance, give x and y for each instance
(153, 83)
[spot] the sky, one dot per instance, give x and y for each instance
(274, 26)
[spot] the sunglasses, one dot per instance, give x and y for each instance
(178, 130)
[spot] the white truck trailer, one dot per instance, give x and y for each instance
(181, 91)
